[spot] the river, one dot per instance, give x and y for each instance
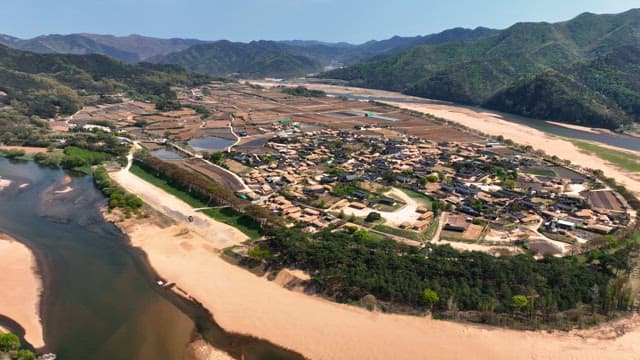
(100, 300)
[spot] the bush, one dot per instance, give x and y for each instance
(25, 355)
(13, 153)
(304, 92)
(373, 216)
(168, 105)
(118, 197)
(259, 252)
(9, 342)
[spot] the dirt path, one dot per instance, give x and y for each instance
(407, 213)
(219, 234)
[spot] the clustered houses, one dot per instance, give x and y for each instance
(480, 186)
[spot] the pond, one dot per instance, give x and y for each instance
(211, 143)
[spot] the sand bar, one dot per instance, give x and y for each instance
(21, 288)
(4, 183)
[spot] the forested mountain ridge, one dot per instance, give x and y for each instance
(604, 92)
(51, 84)
(254, 59)
(299, 58)
(132, 48)
(274, 58)
(494, 71)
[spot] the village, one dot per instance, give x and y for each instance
(484, 194)
(326, 162)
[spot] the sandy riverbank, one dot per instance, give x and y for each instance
(28, 150)
(21, 288)
(244, 303)
(219, 234)
(580, 128)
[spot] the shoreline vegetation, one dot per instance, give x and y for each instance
(22, 284)
(11, 347)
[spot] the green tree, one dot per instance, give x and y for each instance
(362, 235)
(25, 355)
(430, 297)
(9, 342)
(259, 252)
(373, 216)
(436, 207)
(520, 301)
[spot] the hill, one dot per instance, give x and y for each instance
(604, 92)
(299, 58)
(494, 70)
(132, 48)
(254, 59)
(49, 84)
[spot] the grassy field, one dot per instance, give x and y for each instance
(419, 197)
(88, 156)
(150, 178)
(621, 159)
(223, 215)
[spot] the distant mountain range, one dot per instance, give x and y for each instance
(254, 59)
(132, 48)
(582, 71)
(299, 58)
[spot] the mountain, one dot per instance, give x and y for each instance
(132, 48)
(254, 59)
(398, 43)
(604, 92)
(497, 70)
(298, 57)
(50, 84)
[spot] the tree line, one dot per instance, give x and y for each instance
(346, 266)
(205, 190)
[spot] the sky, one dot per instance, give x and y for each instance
(354, 21)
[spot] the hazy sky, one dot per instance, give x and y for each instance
(243, 20)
